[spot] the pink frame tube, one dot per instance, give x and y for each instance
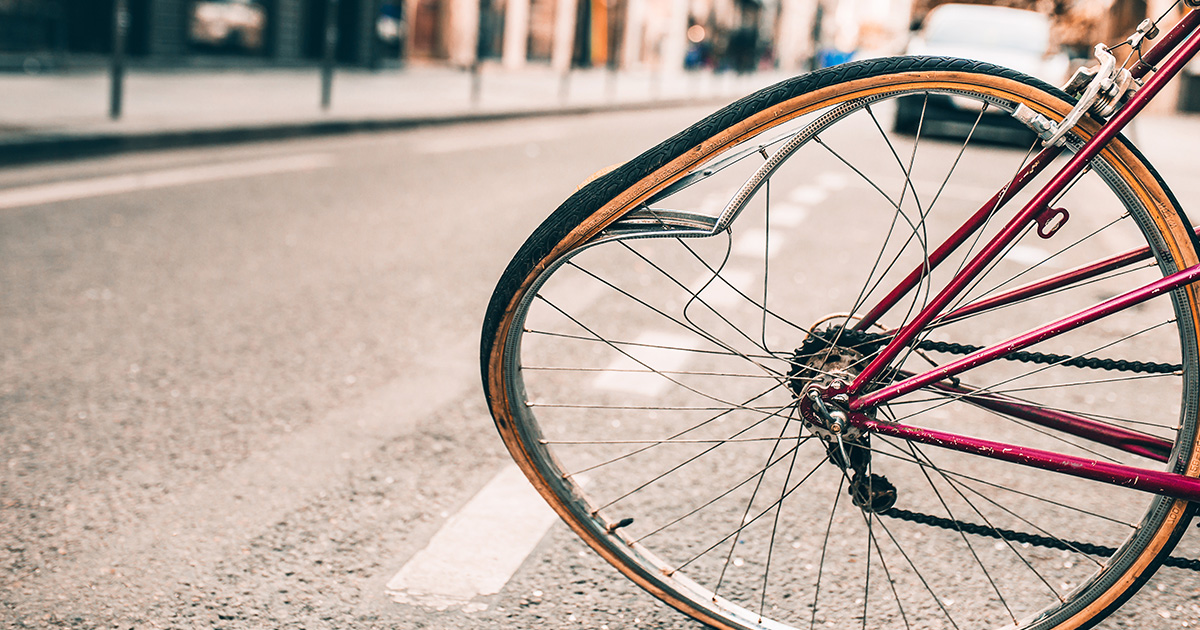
(1127, 440)
(1024, 340)
(1144, 65)
(1164, 483)
(1024, 218)
(972, 225)
(1066, 278)
(1169, 484)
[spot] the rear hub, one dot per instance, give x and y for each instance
(821, 373)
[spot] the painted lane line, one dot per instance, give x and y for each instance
(657, 350)
(1029, 255)
(39, 194)
(478, 549)
(753, 243)
(927, 188)
(787, 215)
(808, 195)
(832, 181)
(720, 292)
(572, 290)
(475, 140)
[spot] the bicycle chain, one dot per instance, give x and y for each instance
(869, 343)
(1011, 536)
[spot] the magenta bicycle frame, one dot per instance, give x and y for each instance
(1174, 50)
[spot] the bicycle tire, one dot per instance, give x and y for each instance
(602, 214)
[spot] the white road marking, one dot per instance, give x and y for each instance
(625, 374)
(787, 215)
(928, 188)
(478, 549)
(719, 294)
(1028, 255)
(808, 195)
(572, 290)
(502, 137)
(116, 184)
(753, 242)
(832, 181)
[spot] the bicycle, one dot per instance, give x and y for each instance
(786, 369)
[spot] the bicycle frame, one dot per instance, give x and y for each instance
(1174, 50)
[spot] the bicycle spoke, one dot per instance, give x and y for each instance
(745, 523)
(1000, 285)
(749, 503)
(653, 370)
(957, 315)
(686, 462)
(966, 541)
(824, 548)
(689, 325)
(919, 454)
(635, 344)
(792, 451)
(738, 375)
(937, 195)
(1050, 386)
(992, 388)
(903, 457)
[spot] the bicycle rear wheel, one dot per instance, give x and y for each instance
(641, 360)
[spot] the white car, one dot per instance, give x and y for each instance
(1013, 38)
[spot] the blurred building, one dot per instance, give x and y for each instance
(171, 32)
(667, 35)
(738, 34)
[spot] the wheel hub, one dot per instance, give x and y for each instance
(820, 375)
(821, 371)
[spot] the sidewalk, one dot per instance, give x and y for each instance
(66, 115)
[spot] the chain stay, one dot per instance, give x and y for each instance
(869, 343)
(1011, 536)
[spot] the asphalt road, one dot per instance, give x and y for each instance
(239, 386)
(244, 400)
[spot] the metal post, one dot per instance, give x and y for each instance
(331, 38)
(120, 26)
(483, 37)
(376, 47)
(476, 70)
(615, 16)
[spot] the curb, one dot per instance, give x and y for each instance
(42, 147)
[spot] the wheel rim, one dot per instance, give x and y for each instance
(725, 591)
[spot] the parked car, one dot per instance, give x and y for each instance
(1013, 38)
(228, 24)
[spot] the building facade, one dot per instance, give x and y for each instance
(199, 31)
(667, 35)
(562, 33)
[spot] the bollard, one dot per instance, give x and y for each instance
(120, 26)
(476, 82)
(331, 37)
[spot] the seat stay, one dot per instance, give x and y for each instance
(1023, 340)
(965, 231)
(1060, 280)
(1121, 438)
(1023, 219)
(1160, 482)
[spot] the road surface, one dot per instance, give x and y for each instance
(239, 386)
